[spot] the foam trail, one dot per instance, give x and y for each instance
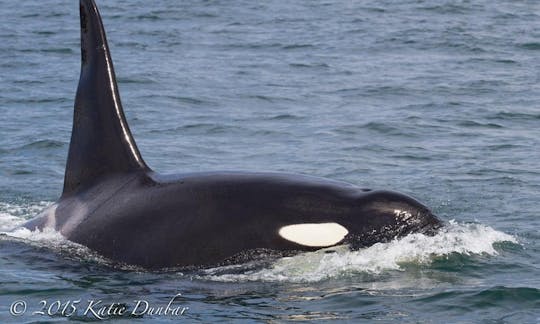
(415, 248)
(13, 216)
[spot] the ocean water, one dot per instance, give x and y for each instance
(436, 99)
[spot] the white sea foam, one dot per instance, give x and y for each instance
(415, 248)
(48, 235)
(12, 216)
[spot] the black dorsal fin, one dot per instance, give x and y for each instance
(101, 142)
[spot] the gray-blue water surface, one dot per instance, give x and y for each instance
(437, 99)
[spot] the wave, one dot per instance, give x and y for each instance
(14, 215)
(465, 239)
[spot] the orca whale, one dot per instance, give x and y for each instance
(114, 204)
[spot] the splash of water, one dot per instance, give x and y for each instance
(465, 239)
(12, 215)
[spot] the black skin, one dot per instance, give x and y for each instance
(114, 204)
(206, 219)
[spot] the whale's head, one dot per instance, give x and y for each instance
(387, 215)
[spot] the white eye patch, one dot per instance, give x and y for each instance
(314, 234)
